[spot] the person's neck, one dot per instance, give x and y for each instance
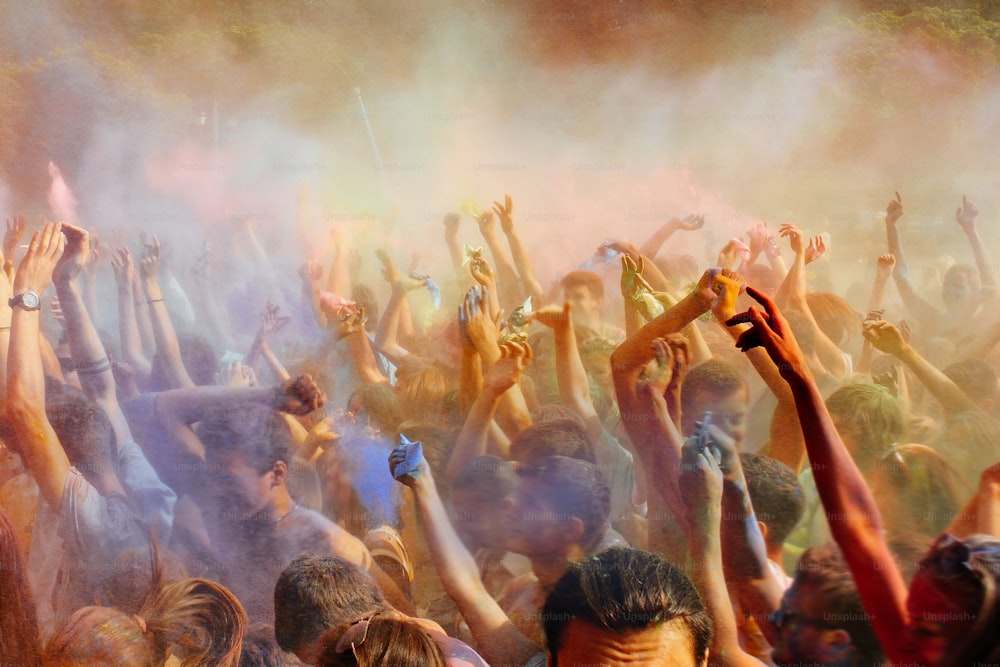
(280, 505)
(549, 568)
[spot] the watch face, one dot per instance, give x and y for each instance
(30, 300)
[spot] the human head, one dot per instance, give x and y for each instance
(198, 621)
(198, 357)
(420, 389)
(248, 448)
(380, 638)
(868, 419)
(585, 292)
(717, 387)
(375, 405)
(561, 505)
(776, 496)
(84, 431)
(958, 287)
(556, 437)
(917, 491)
(952, 602)
(479, 518)
(835, 317)
(261, 650)
(822, 619)
(629, 599)
(316, 593)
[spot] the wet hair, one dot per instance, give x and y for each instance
(381, 405)
(256, 433)
(488, 478)
(557, 437)
(83, 429)
(834, 316)
(574, 488)
(873, 414)
(20, 642)
(623, 590)
(316, 593)
(588, 279)
(775, 494)
(824, 570)
(975, 378)
(929, 490)
(709, 377)
(966, 572)
(197, 620)
(380, 639)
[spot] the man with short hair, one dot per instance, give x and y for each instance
(626, 602)
(584, 290)
(316, 593)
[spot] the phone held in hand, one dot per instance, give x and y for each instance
(704, 439)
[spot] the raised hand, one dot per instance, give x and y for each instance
(700, 483)
(758, 236)
(795, 237)
(298, 396)
(815, 249)
(270, 322)
(659, 374)
(551, 316)
(632, 282)
(348, 321)
(75, 254)
(487, 222)
(451, 224)
(507, 371)
(727, 285)
(149, 267)
(12, 237)
(121, 264)
(410, 456)
(894, 211)
(966, 214)
(770, 330)
(482, 271)
(689, 223)
(389, 272)
(884, 336)
(704, 292)
(475, 318)
(885, 265)
(36, 267)
(505, 212)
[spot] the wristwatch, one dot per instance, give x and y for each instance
(28, 299)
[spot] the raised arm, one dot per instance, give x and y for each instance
(39, 446)
(497, 639)
(526, 270)
(966, 217)
(89, 356)
(167, 348)
(128, 327)
(506, 281)
(883, 270)
(850, 508)
(917, 305)
(887, 338)
(689, 223)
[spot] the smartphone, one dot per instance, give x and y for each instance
(703, 435)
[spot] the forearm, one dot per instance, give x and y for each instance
(652, 246)
(574, 388)
(526, 269)
(274, 363)
(947, 393)
(364, 358)
(471, 441)
(470, 380)
(637, 350)
(455, 252)
(512, 414)
(128, 331)
(983, 261)
(387, 337)
(84, 344)
(166, 339)
(190, 404)
(496, 637)
(142, 319)
(700, 351)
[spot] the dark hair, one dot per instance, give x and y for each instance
(826, 573)
(198, 357)
(712, 377)
(381, 406)
(775, 494)
(623, 590)
(549, 412)
(316, 593)
(574, 488)
(252, 431)
(966, 571)
(261, 650)
(82, 427)
(588, 279)
(20, 642)
(974, 377)
(382, 639)
(556, 437)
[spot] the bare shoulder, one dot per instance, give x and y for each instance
(311, 531)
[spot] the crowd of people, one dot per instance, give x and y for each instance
(659, 460)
